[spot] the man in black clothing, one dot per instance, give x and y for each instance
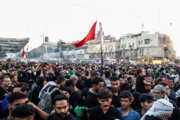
(147, 87)
(17, 98)
(5, 88)
(81, 81)
(45, 104)
(145, 102)
(104, 111)
(14, 100)
(41, 81)
(59, 84)
(140, 81)
(22, 76)
(61, 107)
(124, 85)
(76, 95)
(115, 84)
(91, 99)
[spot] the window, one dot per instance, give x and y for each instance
(147, 41)
(139, 42)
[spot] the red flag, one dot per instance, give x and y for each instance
(23, 53)
(121, 57)
(90, 36)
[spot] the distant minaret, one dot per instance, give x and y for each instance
(142, 27)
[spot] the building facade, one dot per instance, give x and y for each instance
(12, 45)
(152, 46)
(131, 47)
(43, 51)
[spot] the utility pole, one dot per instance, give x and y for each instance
(43, 36)
(102, 43)
(45, 40)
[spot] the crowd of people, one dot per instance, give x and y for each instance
(54, 91)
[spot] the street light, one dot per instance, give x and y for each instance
(130, 46)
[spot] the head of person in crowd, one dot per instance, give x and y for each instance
(70, 84)
(1, 75)
(125, 75)
(49, 76)
(140, 72)
(121, 80)
(149, 71)
(172, 71)
(105, 99)
(23, 112)
(82, 74)
(171, 84)
(134, 86)
(14, 78)
(61, 106)
(161, 110)
(166, 86)
(148, 78)
(74, 78)
(130, 79)
(163, 77)
(158, 92)
(15, 99)
(60, 81)
(41, 81)
(108, 74)
(124, 81)
(115, 84)
(95, 74)
(22, 88)
(145, 101)
(147, 86)
(126, 99)
(158, 81)
(6, 83)
(97, 84)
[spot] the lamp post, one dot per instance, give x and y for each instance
(130, 49)
(102, 43)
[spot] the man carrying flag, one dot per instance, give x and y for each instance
(90, 36)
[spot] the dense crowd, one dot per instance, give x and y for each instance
(54, 91)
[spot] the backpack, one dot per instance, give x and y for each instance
(45, 102)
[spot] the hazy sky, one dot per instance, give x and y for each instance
(70, 20)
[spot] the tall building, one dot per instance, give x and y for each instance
(11, 45)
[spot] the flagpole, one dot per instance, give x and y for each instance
(102, 42)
